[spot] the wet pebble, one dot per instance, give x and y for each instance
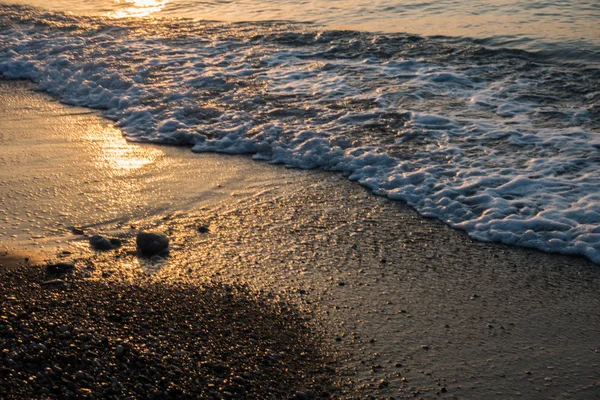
(301, 396)
(56, 283)
(100, 243)
(60, 268)
(120, 351)
(151, 243)
(77, 231)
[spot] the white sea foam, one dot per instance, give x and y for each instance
(499, 146)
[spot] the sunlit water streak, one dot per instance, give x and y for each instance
(137, 8)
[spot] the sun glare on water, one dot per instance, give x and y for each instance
(114, 155)
(138, 8)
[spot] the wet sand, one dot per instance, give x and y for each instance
(63, 167)
(413, 308)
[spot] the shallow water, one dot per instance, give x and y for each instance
(502, 143)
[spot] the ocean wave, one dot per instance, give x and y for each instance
(497, 142)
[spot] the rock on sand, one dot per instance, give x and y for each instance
(151, 243)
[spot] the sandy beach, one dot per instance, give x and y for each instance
(410, 307)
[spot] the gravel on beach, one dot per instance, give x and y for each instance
(68, 337)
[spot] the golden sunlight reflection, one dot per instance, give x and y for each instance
(114, 153)
(138, 8)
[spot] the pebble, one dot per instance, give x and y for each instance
(151, 243)
(63, 329)
(56, 283)
(120, 351)
(60, 268)
(219, 368)
(100, 243)
(301, 396)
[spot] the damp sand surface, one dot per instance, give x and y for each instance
(64, 167)
(411, 307)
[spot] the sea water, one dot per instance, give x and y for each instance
(484, 115)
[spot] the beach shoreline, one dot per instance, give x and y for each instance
(413, 307)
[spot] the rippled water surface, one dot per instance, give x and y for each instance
(496, 140)
(531, 24)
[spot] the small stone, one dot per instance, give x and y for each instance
(203, 229)
(100, 243)
(219, 368)
(120, 351)
(301, 395)
(56, 283)
(151, 243)
(383, 384)
(77, 231)
(60, 268)
(116, 243)
(240, 381)
(425, 347)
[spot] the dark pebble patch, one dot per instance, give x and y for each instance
(98, 340)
